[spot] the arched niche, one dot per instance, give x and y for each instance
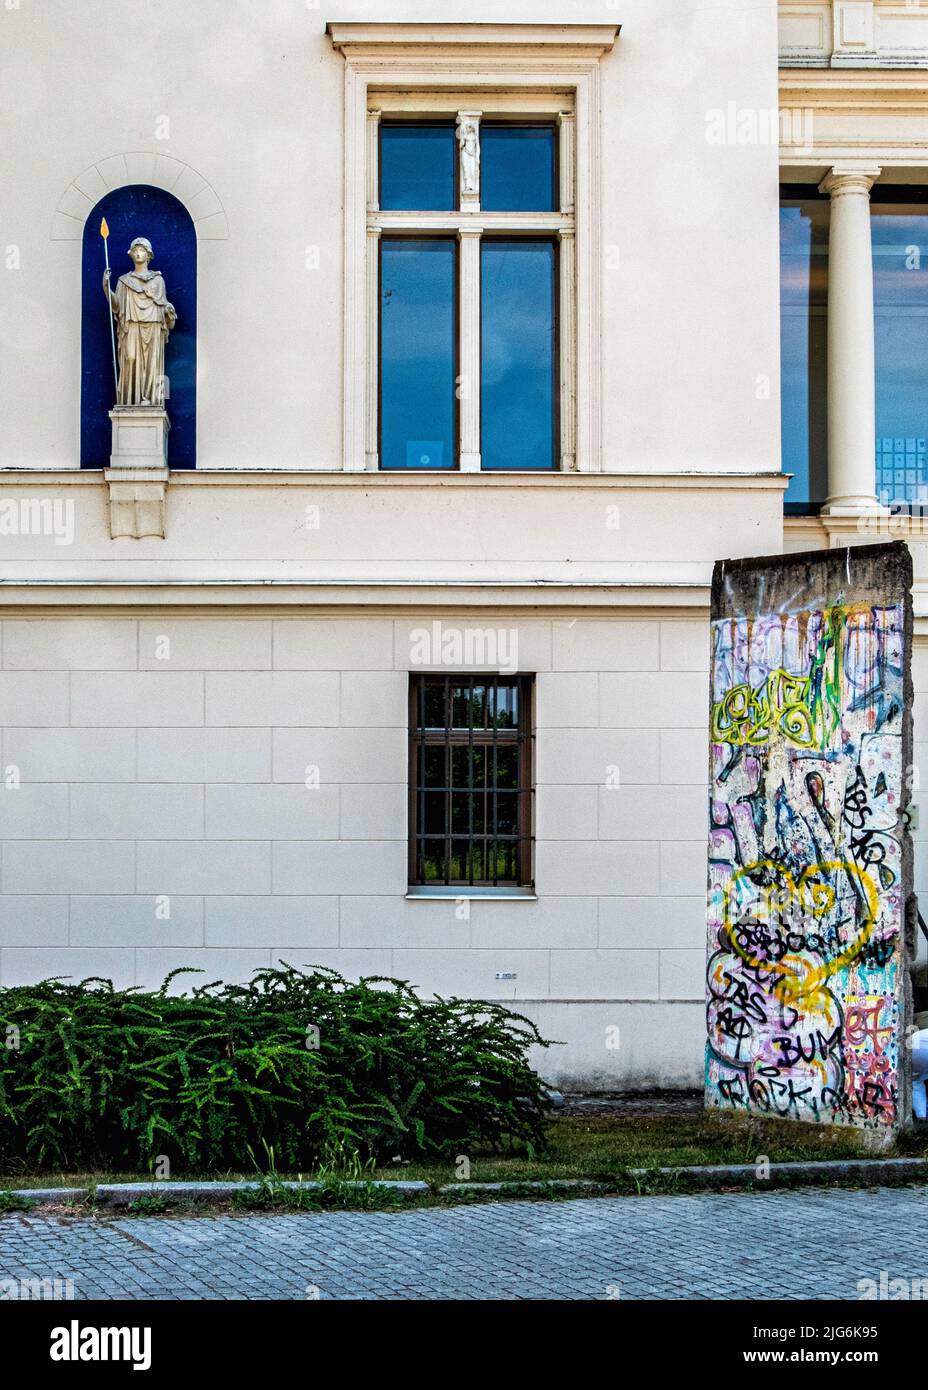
(131, 211)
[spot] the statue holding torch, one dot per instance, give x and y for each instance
(144, 318)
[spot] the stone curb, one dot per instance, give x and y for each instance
(553, 1184)
(123, 1193)
(49, 1194)
(867, 1170)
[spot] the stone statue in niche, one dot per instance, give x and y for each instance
(469, 143)
(144, 318)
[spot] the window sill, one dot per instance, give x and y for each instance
(421, 893)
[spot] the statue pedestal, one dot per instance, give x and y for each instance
(138, 472)
(140, 436)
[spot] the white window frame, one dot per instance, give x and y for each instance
(536, 71)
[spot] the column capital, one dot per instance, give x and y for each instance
(848, 178)
(472, 229)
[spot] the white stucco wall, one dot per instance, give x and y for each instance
(143, 780)
(156, 813)
(252, 90)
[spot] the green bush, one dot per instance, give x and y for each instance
(306, 1064)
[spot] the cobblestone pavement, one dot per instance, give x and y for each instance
(800, 1245)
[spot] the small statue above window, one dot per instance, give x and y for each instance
(144, 318)
(468, 132)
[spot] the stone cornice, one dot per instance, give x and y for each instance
(362, 38)
(868, 117)
(267, 477)
(877, 89)
(304, 598)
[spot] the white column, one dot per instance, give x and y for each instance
(851, 379)
(372, 355)
(468, 383)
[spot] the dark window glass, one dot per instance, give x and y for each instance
(471, 781)
(518, 354)
(517, 168)
(417, 353)
(900, 291)
(418, 168)
(803, 348)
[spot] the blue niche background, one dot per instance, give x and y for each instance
(139, 210)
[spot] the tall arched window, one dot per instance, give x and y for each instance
(139, 210)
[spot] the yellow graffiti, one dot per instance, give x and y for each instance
(747, 717)
(797, 977)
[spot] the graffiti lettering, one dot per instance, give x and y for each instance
(806, 858)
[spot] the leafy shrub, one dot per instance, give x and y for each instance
(307, 1064)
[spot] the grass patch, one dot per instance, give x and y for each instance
(601, 1148)
(604, 1146)
(9, 1201)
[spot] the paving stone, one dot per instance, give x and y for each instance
(715, 1245)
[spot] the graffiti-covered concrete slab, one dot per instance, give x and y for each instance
(810, 905)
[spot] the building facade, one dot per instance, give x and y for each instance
(492, 334)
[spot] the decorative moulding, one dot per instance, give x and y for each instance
(362, 38)
(853, 34)
(868, 116)
(160, 171)
(317, 478)
(853, 29)
(136, 501)
(474, 62)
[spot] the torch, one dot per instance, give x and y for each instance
(105, 232)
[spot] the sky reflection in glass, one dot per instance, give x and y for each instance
(518, 354)
(803, 347)
(418, 168)
(899, 235)
(517, 168)
(417, 353)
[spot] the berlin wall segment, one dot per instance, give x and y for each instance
(811, 912)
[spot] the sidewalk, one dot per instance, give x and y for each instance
(798, 1245)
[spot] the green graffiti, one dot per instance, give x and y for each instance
(805, 711)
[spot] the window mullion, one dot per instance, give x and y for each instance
(468, 380)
